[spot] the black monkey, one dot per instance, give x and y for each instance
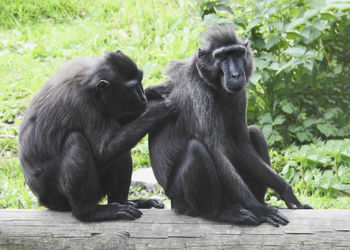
(76, 136)
(207, 159)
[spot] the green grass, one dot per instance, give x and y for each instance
(38, 36)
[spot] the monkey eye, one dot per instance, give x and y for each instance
(239, 53)
(101, 85)
(220, 56)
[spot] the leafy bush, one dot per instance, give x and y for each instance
(323, 167)
(301, 88)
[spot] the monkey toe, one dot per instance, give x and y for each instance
(157, 204)
(148, 203)
(271, 215)
(126, 211)
(305, 206)
(291, 205)
(239, 216)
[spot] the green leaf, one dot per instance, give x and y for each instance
(254, 23)
(292, 35)
(279, 120)
(277, 25)
(308, 175)
(267, 130)
(310, 34)
(39, 51)
(296, 51)
(326, 179)
(255, 78)
(311, 12)
(338, 69)
(224, 7)
(293, 12)
(274, 66)
(272, 41)
(285, 169)
(327, 129)
(309, 64)
(309, 122)
(327, 16)
(261, 64)
(285, 66)
(343, 187)
(265, 119)
(332, 112)
(304, 136)
(288, 107)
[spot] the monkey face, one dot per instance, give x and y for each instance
(224, 61)
(231, 62)
(120, 90)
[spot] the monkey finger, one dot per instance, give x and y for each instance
(134, 211)
(157, 204)
(279, 220)
(270, 221)
(130, 203)
(291, 205)
(282, 217)
(123, 215)
(250, 217)
(254, 220)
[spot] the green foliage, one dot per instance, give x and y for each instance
(140, 154)
(323, 167)
(18, 12)
(301, 88)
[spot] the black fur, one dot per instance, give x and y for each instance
(208, 160)
(76, 136)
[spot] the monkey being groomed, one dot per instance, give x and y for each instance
(76, 136)
(208, 160)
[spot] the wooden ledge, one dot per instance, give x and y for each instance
(163, 229)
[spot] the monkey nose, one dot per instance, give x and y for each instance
(235, 74)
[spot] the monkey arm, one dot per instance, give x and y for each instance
(158, 91)
(126, 137)
(262, 171)
(233, 181)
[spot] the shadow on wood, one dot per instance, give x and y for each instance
(163, 229)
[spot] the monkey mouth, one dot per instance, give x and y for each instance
(233, 87)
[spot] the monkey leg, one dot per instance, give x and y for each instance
(259, 143)
(116, 184)
(196, 189)
(78, 179)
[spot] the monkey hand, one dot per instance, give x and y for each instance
(162, 109)
(147, 203)
(125, 211)
(270, 215)
(291, 200)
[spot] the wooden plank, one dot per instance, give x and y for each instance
(163, 229)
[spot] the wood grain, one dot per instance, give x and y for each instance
(163, 229)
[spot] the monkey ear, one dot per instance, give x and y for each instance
(246, 43)
(101, 85)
